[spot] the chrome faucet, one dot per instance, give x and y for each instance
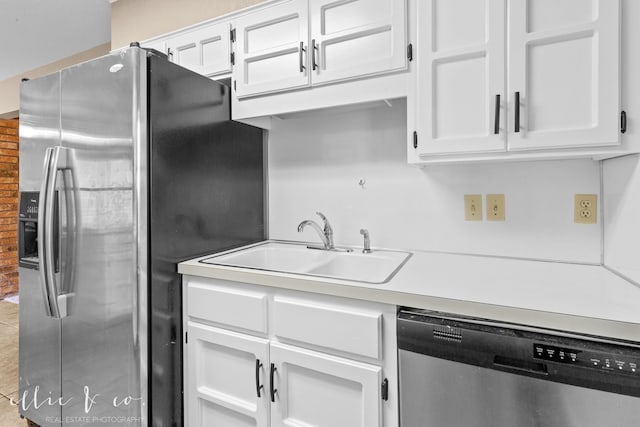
(326, 235)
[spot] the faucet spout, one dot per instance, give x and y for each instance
(316, 227)
(326, 233)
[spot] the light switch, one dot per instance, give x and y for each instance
(473, 207)
(495, 207)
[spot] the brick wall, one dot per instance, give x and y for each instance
(8, 207)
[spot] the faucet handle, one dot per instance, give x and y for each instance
(328, 231)
(327, 226)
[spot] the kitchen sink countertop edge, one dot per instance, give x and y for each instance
(581, 298)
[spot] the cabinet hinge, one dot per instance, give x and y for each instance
(232, 35)
(233, 58)
(623, 121)
(410, 52)
(385, 390)
(415, 139)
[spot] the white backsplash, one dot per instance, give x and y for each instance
(316, 163)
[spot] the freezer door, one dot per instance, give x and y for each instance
(103, 353)
(39, 345)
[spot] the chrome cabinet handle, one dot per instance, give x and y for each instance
(516, 125)
(301, 50)
(314, 48)
(258, 385)
(496, 120)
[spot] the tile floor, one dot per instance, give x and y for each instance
(9, 365)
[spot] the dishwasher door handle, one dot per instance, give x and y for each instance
(519, 365)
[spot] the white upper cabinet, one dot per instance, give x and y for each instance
(356, 38)
(206, 50)
(564, 64)
(271, 49)
(158, 45)
(461, 80)
(300, 43)
(516, 76)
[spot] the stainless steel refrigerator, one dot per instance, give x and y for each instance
(129, 164)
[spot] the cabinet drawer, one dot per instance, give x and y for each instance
(335, 327)
(224, 304)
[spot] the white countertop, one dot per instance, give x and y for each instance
(589, 299)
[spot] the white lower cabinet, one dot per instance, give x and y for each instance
(341, 373)
(315, 389)
(223, 368)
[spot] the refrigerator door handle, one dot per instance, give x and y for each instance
(68, 279)
(46, 240)
(42, 259)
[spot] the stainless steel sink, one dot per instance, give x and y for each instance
(376, 267)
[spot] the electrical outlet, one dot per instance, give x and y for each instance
(495, 207)
(585, 209)
(473, 207)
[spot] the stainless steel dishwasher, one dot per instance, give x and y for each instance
(465, 372)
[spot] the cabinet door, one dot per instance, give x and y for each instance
(314, 389)
(206, 50)
(223, 376)
(271, 49)
(356, 38)
(159, 45)
(564, 63)
(461, 76)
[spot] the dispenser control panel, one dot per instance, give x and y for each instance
(29, 205)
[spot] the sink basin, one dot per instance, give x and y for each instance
(376, 267)
(269, 256)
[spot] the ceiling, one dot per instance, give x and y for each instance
(39, 32)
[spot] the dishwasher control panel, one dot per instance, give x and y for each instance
(587, 358)
(585, 361)
(556, 354)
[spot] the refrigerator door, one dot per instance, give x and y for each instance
(103, 351)
(39, 346)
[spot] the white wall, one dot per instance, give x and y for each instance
(317, 160)
(140, 20)
(621, 176)
(622, 215)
